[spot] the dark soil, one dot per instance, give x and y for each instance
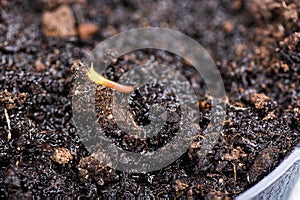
(254, 43)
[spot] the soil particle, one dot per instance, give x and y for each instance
(260, 101)
(265, 11)
(270, 115)
(292, 42)
(59, 23)
(290, 14)
(237, 4)
(86, 30)
(39, 65)
(240, 49)
(10, 100)
(61, 155)
(91, 168)
(228, 26)
(262, 9)
(217, 195)
(180, 186)
(235, 154)
(12, 179)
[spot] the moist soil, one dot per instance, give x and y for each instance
(254, 43)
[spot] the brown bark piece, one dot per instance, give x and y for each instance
(59, 23)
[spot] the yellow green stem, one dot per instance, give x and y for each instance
(100, 80)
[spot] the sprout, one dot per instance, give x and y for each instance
(100, 80)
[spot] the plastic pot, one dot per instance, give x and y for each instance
(281, 183)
